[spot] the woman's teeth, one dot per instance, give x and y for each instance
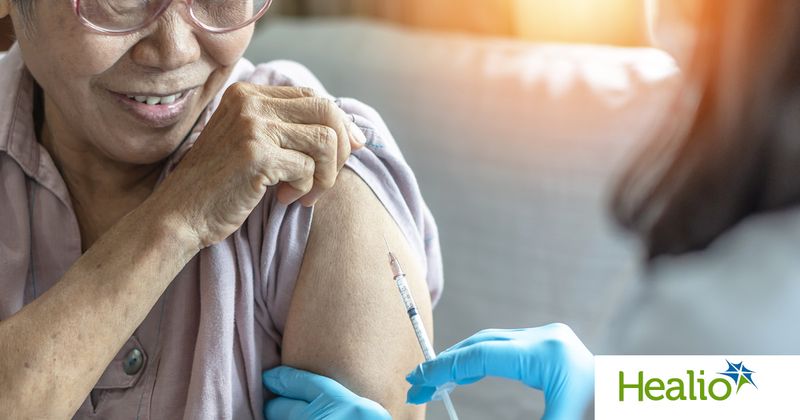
(156, 100)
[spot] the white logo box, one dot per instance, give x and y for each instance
(775, 395)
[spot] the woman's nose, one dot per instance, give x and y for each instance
(171, 43)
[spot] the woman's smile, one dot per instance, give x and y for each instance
(155, 110)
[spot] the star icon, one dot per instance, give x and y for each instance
(740, 375)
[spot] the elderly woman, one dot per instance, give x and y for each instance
(157, 246)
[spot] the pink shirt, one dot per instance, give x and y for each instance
(220, 323)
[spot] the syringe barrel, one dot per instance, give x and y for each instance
(416, 319)
(416, 322)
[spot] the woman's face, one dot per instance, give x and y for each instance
(88, 78)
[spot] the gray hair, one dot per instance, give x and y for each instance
(25, 8)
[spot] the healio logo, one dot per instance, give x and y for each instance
(693, 386)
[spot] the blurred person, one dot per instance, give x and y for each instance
(716, 202)
(157, 245)
(716, 198)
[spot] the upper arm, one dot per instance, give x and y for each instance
(346, 319)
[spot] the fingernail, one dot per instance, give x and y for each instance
(357, 134)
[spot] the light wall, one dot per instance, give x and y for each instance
(615, 22)
(620, 22)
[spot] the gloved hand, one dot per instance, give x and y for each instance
(304, 395)
(549, 358)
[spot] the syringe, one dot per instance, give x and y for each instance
(416, 322)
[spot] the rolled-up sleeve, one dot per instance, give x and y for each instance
(382, 167)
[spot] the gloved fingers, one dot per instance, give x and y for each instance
(556, 331)
(492, 334)
(371, 410)
(300, 385)
(468, 365)
(420, 394)
(468, 381)
(285, 408)
(571, 400)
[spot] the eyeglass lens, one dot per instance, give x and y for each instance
(120, 15)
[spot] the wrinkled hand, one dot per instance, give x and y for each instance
(259, 136)
(303, 395)
(549, 358)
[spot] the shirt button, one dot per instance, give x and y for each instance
(133, 362)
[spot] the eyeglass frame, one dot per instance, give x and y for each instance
(76, 4)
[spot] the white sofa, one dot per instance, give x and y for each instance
(515, 146)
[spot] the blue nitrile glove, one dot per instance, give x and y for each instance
(304, 395)
(549, 358)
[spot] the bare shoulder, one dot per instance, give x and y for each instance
(346, 319)
(350, 202)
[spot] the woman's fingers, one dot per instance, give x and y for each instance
(326, 112)
(315, 126)
(319, 142)
(322, 111)
(245, 148)
(295, 169)
(281, 92)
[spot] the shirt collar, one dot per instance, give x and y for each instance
(17, 136)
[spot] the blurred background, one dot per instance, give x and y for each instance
(617, 22)
(610, 21)
(517, 116)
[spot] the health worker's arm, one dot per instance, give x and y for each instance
(346, 320)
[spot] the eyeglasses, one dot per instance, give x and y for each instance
(121, 17)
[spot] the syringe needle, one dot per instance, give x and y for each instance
(387, 244)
